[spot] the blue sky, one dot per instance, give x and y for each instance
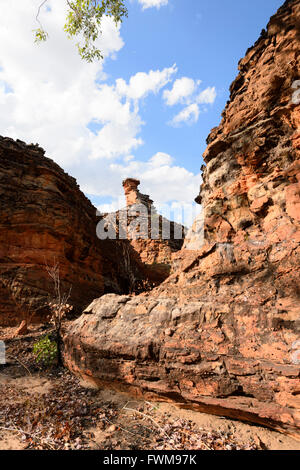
(146, 110)
(206, 39)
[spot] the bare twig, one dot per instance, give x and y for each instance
(38, 13)
(13, 429)
(205, 445)
(16, 359)
(123, 429)
(59, 307)
(146, 416)
(33, 435)
(126, 430)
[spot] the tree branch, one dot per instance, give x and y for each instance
(38, 13)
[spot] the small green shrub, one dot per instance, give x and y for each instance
(45, 351)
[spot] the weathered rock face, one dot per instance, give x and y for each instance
(222, 333)
(46, 219)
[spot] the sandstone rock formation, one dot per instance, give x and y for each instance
(132, 194)
(46, 219)
(222, 332)
(153, 237)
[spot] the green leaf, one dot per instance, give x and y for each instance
(40, 35)
(84, 20)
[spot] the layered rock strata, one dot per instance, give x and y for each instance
(221, 334)
(45, 220)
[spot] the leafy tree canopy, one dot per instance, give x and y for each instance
(84, 21)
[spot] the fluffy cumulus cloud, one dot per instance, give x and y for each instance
(189, 115)
(120, 120)
(185, 91)
(91, 128)
(153, 3)
(52, 95)
(48, 94)
(182, 89)
(141, 84)
(160, 159)
(160, 177)
(207, 96)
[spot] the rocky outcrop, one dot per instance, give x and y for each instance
(222, 332)
(45, 219)
(154, 238)
(132, 194)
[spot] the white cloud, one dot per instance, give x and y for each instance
(185, 91)
(182, 89)
(153, 3)
(188, 115)
(50, 96)
(122, 122)
(161, 179)
(160, 159)
(170, 186)
(112, 206)
(141, 84)
(207, 96)
(55, 94)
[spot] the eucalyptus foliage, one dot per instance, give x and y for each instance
(84, 22)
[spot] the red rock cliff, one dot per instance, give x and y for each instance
(222, 332)
(44, 219)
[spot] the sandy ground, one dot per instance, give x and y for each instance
(51, 409)
(241, 432)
